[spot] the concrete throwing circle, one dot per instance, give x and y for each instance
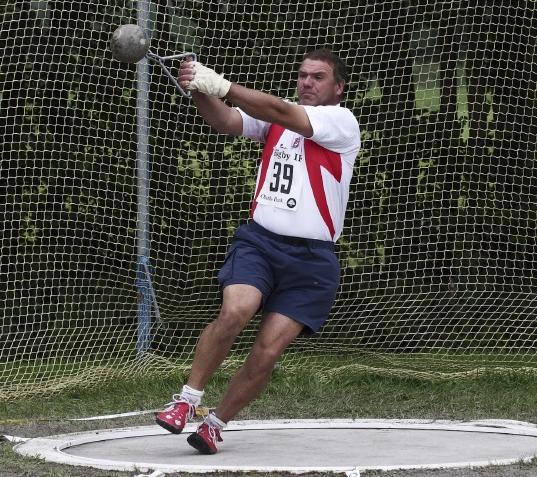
(298, 446)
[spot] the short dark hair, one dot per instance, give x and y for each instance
(326, 55)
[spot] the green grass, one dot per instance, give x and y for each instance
(43, 379)
(301, 395)
(12, 465)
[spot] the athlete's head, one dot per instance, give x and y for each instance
(321, 78)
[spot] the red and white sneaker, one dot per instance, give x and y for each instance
(205, 439)
(175, 417)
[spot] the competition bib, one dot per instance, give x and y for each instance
(284, 180)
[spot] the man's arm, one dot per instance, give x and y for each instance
(270, 109)
(207, 86)
(217, 114)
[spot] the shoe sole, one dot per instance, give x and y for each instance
(169, 427)
(199, 444)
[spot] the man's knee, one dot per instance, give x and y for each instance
(263, 357)
(233, 317)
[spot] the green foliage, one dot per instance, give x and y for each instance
(442, 199)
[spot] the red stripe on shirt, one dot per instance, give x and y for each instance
(274, 134)
(317, 156)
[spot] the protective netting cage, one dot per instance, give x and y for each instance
(439, 245)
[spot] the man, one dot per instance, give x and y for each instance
(283, 260)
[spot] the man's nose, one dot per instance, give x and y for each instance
(307, 81)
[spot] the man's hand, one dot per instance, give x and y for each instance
(196, 77)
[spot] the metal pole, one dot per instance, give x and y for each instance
(143, 280)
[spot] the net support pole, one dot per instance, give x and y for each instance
(143, 279)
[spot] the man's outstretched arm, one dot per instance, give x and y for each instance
(207, 86)
(270, 109)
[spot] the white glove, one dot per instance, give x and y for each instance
(209, 82)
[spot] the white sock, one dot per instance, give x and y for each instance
(213, 420)
(191, 395)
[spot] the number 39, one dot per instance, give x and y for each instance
(282, 178)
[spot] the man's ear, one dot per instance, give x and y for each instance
(340, 87)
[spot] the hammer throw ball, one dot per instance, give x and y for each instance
(129, 43)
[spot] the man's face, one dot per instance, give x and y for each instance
(316, 84)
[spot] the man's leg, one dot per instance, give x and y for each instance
(240, 303)
(276, 333)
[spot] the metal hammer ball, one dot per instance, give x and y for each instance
(129, 43)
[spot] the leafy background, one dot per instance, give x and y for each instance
(439, 243)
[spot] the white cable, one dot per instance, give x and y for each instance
(113, 416)
(15, 438)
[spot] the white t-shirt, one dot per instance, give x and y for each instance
(303, 183)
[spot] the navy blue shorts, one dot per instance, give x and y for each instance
(298, 278)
